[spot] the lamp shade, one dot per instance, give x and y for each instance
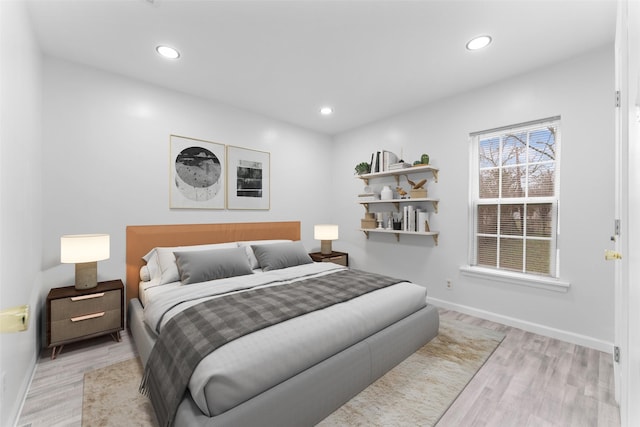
(325, 232)
(79, 248)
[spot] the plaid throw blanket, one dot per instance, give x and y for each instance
(182, 345)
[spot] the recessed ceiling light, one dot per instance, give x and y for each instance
(168, 52)
(479, 42)
(325, 111)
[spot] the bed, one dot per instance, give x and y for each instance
(266, 377)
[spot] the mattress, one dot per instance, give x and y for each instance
(259, 361)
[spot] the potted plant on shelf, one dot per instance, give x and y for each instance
(362, 168)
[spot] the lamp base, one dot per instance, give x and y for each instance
(86, 275)
(325, 247)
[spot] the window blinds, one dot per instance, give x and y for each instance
(515, 202)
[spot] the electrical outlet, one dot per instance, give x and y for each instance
(449, 284)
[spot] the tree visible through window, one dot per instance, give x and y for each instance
(515, 198)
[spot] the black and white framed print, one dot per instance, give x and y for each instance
(248, 182)
(197, 174)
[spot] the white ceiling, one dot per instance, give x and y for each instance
(286, 59)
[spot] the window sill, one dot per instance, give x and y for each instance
(540, 282)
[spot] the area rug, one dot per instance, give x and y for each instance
(416, 392)
(419, 390)
(111, 398)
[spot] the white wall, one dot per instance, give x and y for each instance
(107, 162)
(580, 90)
(20, 198)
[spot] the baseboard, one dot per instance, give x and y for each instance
(559, 334)
(25, 390)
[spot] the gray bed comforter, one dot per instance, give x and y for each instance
(199, 330)
(235, 372)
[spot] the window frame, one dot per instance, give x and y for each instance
(550, 281)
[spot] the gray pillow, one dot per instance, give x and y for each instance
(281, 255)
(201, 266)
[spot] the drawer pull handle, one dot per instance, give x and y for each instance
(87, 317)
(90, 296)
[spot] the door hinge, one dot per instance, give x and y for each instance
(617, 98)
(617, 227)
(616, 354)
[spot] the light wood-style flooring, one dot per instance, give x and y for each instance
(529, 381)
(54, 398)
(536, 381)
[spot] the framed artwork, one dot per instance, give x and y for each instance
(197, 174)
(248, 178)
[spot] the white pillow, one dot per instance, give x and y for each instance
(253, 261)
(152, 268)
(167, 260)
(145, 275)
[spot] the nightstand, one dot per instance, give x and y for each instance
(341, 258)
(77, 314)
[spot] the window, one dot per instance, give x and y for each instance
(514, 197)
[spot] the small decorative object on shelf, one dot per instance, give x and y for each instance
(417, 189)
(397, 221)
(362, 168)
(418, 185)
(399, 165)
(424, 161)
(401, 192)
(369, 221)
(386, 193)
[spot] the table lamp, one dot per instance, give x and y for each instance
(325, 233)
(84, 250)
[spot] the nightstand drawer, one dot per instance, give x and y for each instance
(66, 308)
(340, 259)
(84, 325)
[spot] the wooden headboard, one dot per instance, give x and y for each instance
(142, 238)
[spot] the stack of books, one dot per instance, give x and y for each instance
(401, 165)
(415, 219)
(381, 161)
(367, 197)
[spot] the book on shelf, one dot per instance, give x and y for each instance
(409, 218)
(421, 221)
(401, 165)
(415, 219)
(388, 158)
(381, 161)
(365, 197)
(375, 162)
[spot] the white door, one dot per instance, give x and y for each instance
(627, 240)
(621, 314)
